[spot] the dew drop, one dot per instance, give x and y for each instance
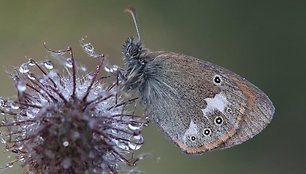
(137, 138)
(65, 143)
(107, 68)
(123, 146)
(110, 68)
(14, 105)
(15, 78)
(134, 127)
(2, 102)
(21, 86)
(115, 67)
(41, 138)
(89, 49)
(24, 68)
(48, 64)
(31, 62)
(31, 76)
(136, 142)
(20, 147)
(120, 145)
(68, 63)
(134, 146)
(9, 165)
(22, 158)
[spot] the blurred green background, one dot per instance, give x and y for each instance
(264, 41)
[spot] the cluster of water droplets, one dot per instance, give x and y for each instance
(47, 94)
(126, 141)
(89, 49)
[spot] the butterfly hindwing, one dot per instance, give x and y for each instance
(202, 106)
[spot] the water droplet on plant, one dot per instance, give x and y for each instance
(14, 105)
(48, 64)
(134, 146)
(137, 138)
(115, 67)
(41, 138)
(134, 127)
(123, 146)
(24, 68)
(136, 142)
(108, 68)
(2, 102)
(21, 86)
(31, 62)
(15, 78)
(111, 68)
(89, 49)
(31, 76)
(9, 165)
(22, 158)
(65, 143)
(120, 145)
(68, 63)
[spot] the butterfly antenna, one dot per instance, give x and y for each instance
(132, 12)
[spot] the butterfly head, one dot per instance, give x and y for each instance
(136, 58)
(132, 50)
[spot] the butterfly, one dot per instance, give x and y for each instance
(199, 105)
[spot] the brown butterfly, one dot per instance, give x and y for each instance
(199, 105)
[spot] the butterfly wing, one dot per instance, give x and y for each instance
(202, 106)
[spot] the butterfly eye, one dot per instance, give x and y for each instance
(217, 80)
(207, 132)
(218, 120)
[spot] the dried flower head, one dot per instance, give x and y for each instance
(68, 120)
